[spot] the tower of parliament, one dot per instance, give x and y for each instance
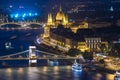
(60, 18)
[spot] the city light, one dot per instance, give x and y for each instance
(30, 14)
(36, 14)
(23, 15)
(16, 15)
(60, 40)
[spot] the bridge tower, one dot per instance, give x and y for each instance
(32, 56)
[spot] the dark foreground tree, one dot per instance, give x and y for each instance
(88, 55)
(74, 52)
(103, 48)
(115, 50)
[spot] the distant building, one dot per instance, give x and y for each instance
(99, 24)
(94, 43)
(1, 18)
(75, 26)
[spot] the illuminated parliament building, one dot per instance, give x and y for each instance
(54, 38)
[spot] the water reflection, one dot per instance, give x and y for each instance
(50, 73)
(45, 72)
(55, 68)
(32, 73)
(8, 73)
(77, 75)
(20, 70)
(45, 68)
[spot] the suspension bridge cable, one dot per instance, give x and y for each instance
(14, 54)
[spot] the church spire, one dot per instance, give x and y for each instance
(60, 8)
(50, 21)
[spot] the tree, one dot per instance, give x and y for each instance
(88, 55)
(74, 52)
(115, 50)
(102, 62)
(103, 48)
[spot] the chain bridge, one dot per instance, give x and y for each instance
(33, 55)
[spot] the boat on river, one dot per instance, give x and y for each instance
(117, 76)
(77, 67)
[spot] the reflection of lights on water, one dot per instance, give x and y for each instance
(56, 72)
(8, 70)
(9, 73)
(68, 71)
(32, 73)
(20, 70)
(45, 68)
(68, 68)
(32, 69)
(76, 75)
(56, 68)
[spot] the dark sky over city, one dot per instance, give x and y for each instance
(93, 7)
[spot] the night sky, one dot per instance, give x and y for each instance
(47, 6)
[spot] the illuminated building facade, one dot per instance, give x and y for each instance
(91, 44)
(68, 39)
(75, 26)
(3, 18)
(62, 18)
(50, 20)
(94, 43)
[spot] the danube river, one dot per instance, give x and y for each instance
(20, 39)
(48, 73)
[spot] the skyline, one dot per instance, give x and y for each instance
(60, 39)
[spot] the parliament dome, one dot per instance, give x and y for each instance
(60, 15)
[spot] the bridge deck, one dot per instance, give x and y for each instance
(38, 58)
